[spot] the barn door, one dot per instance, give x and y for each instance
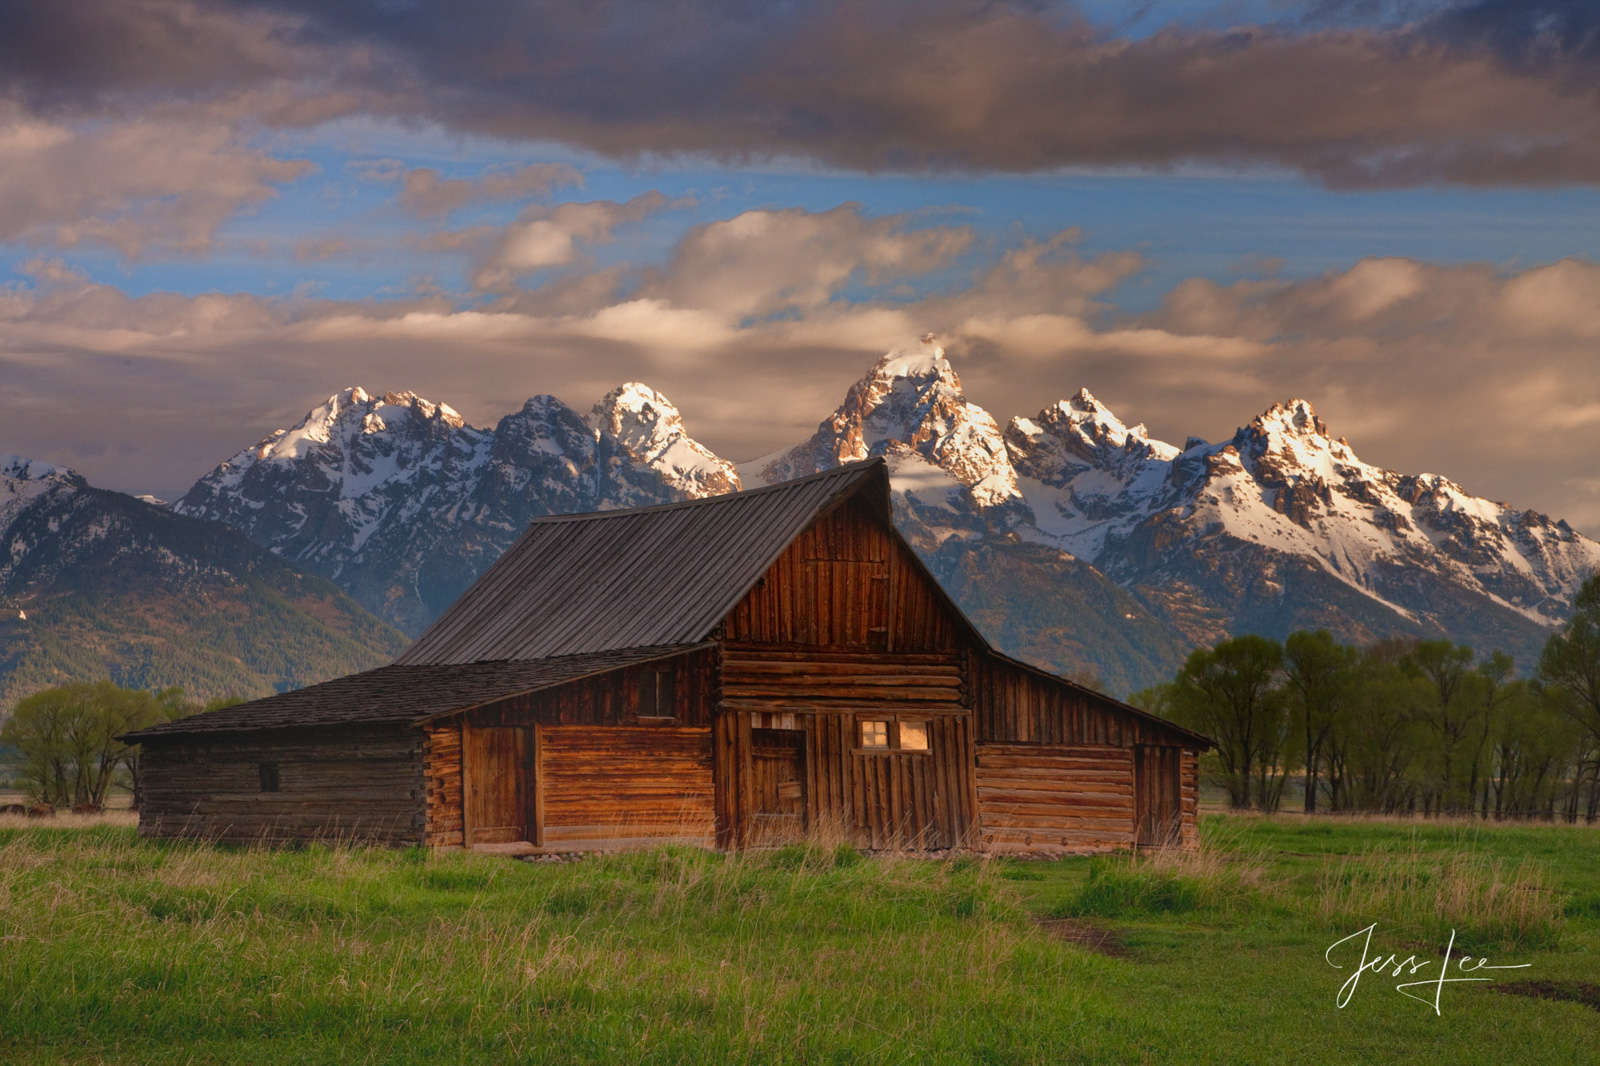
(495, 769)
(778, 785)
(1156, 795)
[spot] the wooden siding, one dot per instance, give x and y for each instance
(795, 678)
(1157, 795)
(845, 582)
(613, 698)
(497, 775)
(1017, 705)
(1055, 799)
(605, 786)
(351, 785)
(604, 708)
(441, 749)
(879, 799)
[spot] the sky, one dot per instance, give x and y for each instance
(215, 214)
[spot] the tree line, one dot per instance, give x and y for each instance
(1400, 726)
(66, 738)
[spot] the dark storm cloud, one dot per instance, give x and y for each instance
(1485, 93)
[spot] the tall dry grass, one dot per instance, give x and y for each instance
(1485, 900)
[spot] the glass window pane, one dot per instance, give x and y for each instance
(874, 734)
(914, 736)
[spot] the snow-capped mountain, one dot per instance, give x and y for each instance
(95, 584)
(1282, 508)
(651, 434)
(1280, 527)
(403, 504)
(948, 461)
(1072, 538)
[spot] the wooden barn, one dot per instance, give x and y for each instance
(734, 671)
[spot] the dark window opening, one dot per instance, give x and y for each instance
(658, 694)
(269, 776)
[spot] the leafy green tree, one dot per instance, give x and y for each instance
(68, 737)
(1451, 715)
(1320, 678)
(1231, 694)
(1375, 751)
(1571, 658)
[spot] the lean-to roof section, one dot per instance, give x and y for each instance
(399, 695)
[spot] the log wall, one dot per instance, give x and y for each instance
(354, 785)
(614, 786)
(1055, 799)
(1190, 801)
(590, 740)
(441, 748)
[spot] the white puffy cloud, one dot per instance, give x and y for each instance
(759, 262)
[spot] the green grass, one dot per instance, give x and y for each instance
(117, 950)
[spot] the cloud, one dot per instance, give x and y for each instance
(425, 194)
(761, 262)
(548, 236)
(1493, 92)
(143, 187)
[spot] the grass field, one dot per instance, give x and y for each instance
(115, 950)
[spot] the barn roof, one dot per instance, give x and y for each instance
(595, 582)
(401, 695)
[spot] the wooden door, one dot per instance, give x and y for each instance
(1156, 792)
(495, 766)
(778, 785)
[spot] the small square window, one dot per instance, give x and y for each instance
(269, 776)
(874, 734)
(914, 736)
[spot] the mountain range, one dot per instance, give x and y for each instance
(1072, 539)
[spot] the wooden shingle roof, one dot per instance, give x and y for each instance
(400, 695)
(575, 584)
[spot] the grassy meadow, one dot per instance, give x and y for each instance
(114, 950)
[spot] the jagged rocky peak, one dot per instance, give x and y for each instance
(650, 430)
(354, 412)
(910, 407)
(1075, 434)
(1293, 427)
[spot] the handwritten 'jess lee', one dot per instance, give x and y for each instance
(1409, 967)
